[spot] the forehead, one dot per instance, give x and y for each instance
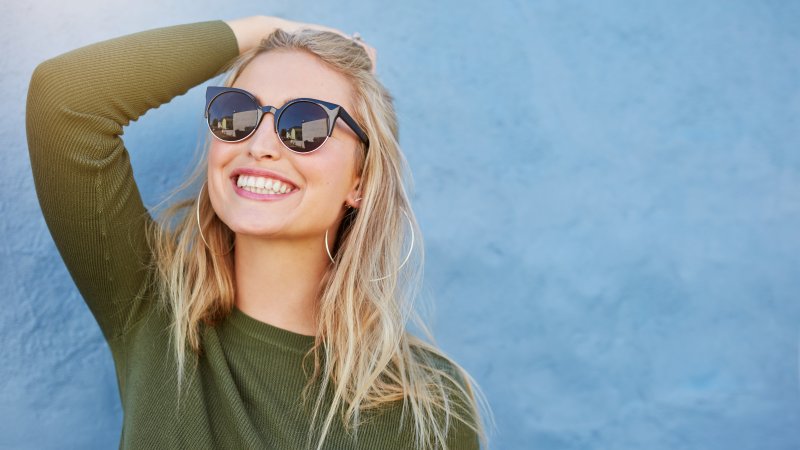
(277, 76)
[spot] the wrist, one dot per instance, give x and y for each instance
(250, 30)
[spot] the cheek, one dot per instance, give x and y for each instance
(215, 183)
(216, 157)
(333, 173)
(219, 160)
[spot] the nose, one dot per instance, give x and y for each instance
(265, 143)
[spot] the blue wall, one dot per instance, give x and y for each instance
(609, 191)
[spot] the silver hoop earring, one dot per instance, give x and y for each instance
(410, 225)
(200, 229)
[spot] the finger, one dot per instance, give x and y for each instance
(371, 52)
(373, 55)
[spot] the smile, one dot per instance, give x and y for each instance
(259, 188)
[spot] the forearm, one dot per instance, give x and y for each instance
(123, 77)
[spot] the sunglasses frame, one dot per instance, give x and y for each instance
(334, 111)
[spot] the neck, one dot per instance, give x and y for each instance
(278, 280)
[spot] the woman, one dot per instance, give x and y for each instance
(268, 310)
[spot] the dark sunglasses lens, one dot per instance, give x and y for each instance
(303, 126)
(232, 116)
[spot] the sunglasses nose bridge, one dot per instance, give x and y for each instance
(264, 110)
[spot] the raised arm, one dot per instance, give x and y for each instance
(77, 104)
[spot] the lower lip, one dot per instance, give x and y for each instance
(255, 196)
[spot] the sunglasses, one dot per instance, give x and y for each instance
(302, 124)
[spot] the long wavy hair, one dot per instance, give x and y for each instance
(362, 351)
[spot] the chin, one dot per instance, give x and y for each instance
(256, 226)
(254, 230)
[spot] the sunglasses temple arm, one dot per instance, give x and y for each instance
(353, 125)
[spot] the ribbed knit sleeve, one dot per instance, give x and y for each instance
(77, 105)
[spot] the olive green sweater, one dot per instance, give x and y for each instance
(245, 391)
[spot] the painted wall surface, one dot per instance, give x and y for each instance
(609, 194)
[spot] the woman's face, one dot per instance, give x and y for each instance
(324, 179)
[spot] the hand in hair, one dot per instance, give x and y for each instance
(250, 30)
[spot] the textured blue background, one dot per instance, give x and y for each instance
(609, 191)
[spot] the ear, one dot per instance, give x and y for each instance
(353, 198)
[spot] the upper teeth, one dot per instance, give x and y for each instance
(262, 185)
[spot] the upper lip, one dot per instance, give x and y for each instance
(262, 173)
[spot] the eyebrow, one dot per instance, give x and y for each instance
(279, 104)
(288, 100)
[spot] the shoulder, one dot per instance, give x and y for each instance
(461, 400)
(437, 360)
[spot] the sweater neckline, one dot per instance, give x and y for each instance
(270, 333)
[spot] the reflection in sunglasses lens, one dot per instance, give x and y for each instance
(303, 126)
(232, 116)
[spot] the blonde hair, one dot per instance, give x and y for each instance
(362, 349)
